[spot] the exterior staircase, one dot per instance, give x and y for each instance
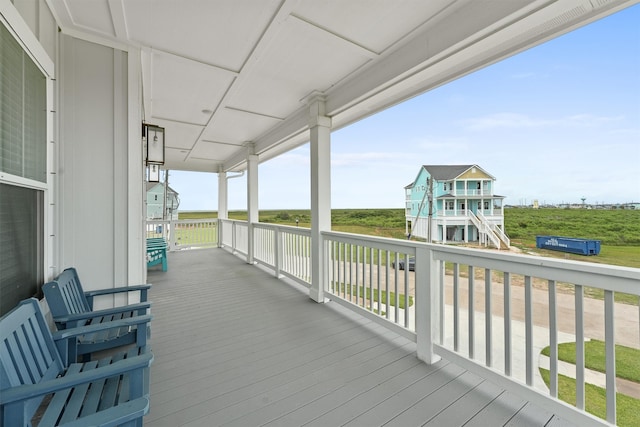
(489, 230)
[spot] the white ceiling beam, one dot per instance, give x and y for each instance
(118, 19)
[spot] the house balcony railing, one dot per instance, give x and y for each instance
(467, 192)
(489, 312)
(496, 212)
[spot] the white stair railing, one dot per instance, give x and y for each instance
(484, 228)
(497, 230)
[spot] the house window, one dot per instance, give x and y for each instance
(478, 185)
(486, 205)
(155, 197)
(23, 154)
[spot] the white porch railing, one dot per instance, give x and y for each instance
(488, 312)
(234, 235)
(285, 250)
(186, 233)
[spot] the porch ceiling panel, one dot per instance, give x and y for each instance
(211, 150)
(220, 33)
(237, 126)
(220, 73)
(300, 59)
(185, 90)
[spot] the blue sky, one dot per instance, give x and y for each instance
(556, 123)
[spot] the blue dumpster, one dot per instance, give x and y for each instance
(568, 244)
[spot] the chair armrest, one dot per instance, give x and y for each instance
(29, 391)
(117, 290)
(104, 312)
(143, 289)
(83, 330)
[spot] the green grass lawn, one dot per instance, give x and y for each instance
(627, 359)
(627, 408)
(366, 293)
(627, 367)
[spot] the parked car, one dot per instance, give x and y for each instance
(401, 262)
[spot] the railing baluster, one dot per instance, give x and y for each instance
(488, 329)
(507, 323)
(610, 351)
(351, 272)
(396, 302)
(357, 275)
(406, 291)
(579, 298)
(528, 315)
(553, 340)
(456, 313)
(371, 279)
(378, 283)
(471, 313)
(441, 274)
(387, 282)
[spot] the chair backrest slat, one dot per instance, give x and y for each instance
(65, 295)
(28, 354)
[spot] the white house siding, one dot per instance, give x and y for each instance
(100, 191)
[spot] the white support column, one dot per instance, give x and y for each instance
(252, 198)
(223, 210)
(428, 311)
(320, 147)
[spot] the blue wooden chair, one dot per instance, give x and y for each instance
(71, 307)
(112, 391)
(157, 252)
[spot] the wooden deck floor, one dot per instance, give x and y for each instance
(235, 346)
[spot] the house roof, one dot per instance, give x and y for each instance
(446, 172)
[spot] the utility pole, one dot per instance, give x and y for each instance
(164, 199)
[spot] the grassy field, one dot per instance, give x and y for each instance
(618, 230)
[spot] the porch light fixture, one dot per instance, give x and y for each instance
(154, 137)
(154, 173)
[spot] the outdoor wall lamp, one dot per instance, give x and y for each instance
(154, 173)
(154, 137)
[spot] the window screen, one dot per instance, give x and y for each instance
(23, 153)
(21, 248)
(23, 115)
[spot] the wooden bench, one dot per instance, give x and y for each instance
(157, 252)
(71, 307)
(108, 392)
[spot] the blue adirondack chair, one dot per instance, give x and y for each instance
(111, 391)
(71, 307)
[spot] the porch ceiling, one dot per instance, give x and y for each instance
(219, 74)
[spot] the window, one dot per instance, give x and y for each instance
(23, 154)
(23, 113)
(486, 205)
